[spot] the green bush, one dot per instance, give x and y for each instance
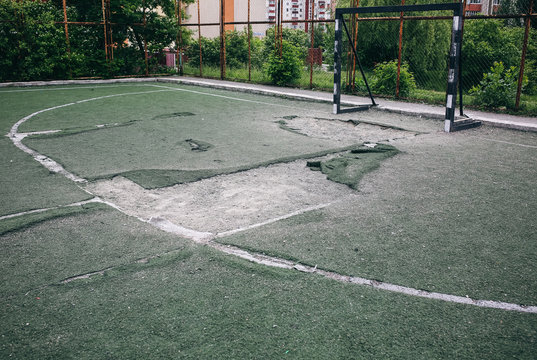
(498, 87)
(285, 69)
(385, 79)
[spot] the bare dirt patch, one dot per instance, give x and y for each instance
(226, 202)
(345, 132)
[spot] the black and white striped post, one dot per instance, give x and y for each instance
(337, 64)
(453, 71)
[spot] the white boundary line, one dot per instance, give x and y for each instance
(207, 238)
(507, 142)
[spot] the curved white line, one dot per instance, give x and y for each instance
(47, 162)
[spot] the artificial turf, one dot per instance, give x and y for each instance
(198, 303)
(450, 213)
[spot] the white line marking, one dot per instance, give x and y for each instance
(507, 142)
(102, 86)
(225, 97)
(286, 264)
(47, 162)
(80, 203)
(283, 217)
(163, 224)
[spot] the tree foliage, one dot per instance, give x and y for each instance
(33, 43)
(284, 69)
(498, 87)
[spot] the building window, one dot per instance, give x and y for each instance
(475, 1)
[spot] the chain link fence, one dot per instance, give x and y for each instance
(60, 39)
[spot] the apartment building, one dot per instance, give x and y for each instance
(483, 7)
(299, 10)
(260, 10)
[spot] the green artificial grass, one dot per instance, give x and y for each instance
(26, 185)
(451, 214)
(152, 179)
(201, 304)
(350, 167)
(240, 129)
(48, 247)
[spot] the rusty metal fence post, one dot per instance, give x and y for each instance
(249, 46)
(145, 43)
(523, 57)
(67, 42)
(311, 40)
(199, 37)
(400, 51)
(222, 40)
(179, 38)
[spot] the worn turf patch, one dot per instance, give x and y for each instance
(26, 185)
(198, 145)
(156, 178)
(350, 167)
(200, 304)
(61, 244)
(80, 130)
(24, 221)
(173, 115)
(284, 126)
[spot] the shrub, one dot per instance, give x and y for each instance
(498, 87)
(285, 69)
(385, 79)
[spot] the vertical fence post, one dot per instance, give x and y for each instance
(222, 41)
(105, 32)
(145, 41)
(463, 17)
(311, 40)
(400, 52)
(199, 38)
(337, 63)
(523, 57)
(249, 46)
(280, 30)
(355, 29)
(67, 42)
(179, 38)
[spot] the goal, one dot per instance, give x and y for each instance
(452, 75)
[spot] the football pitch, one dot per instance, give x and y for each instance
(159, 220)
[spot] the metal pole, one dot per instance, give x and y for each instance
(523, 58)
(280, 30)
(222, 41)
(312, 49)
(461, 105)
(67, 42)
(400, 52)
(145, 42)
(104, 31)
(249, 46)
(109, 28)
(355, 27)
(199, 38)
(180, 35)
(176, 8)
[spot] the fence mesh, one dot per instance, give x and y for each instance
(105, 38)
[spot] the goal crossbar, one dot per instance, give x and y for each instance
(454, 53)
